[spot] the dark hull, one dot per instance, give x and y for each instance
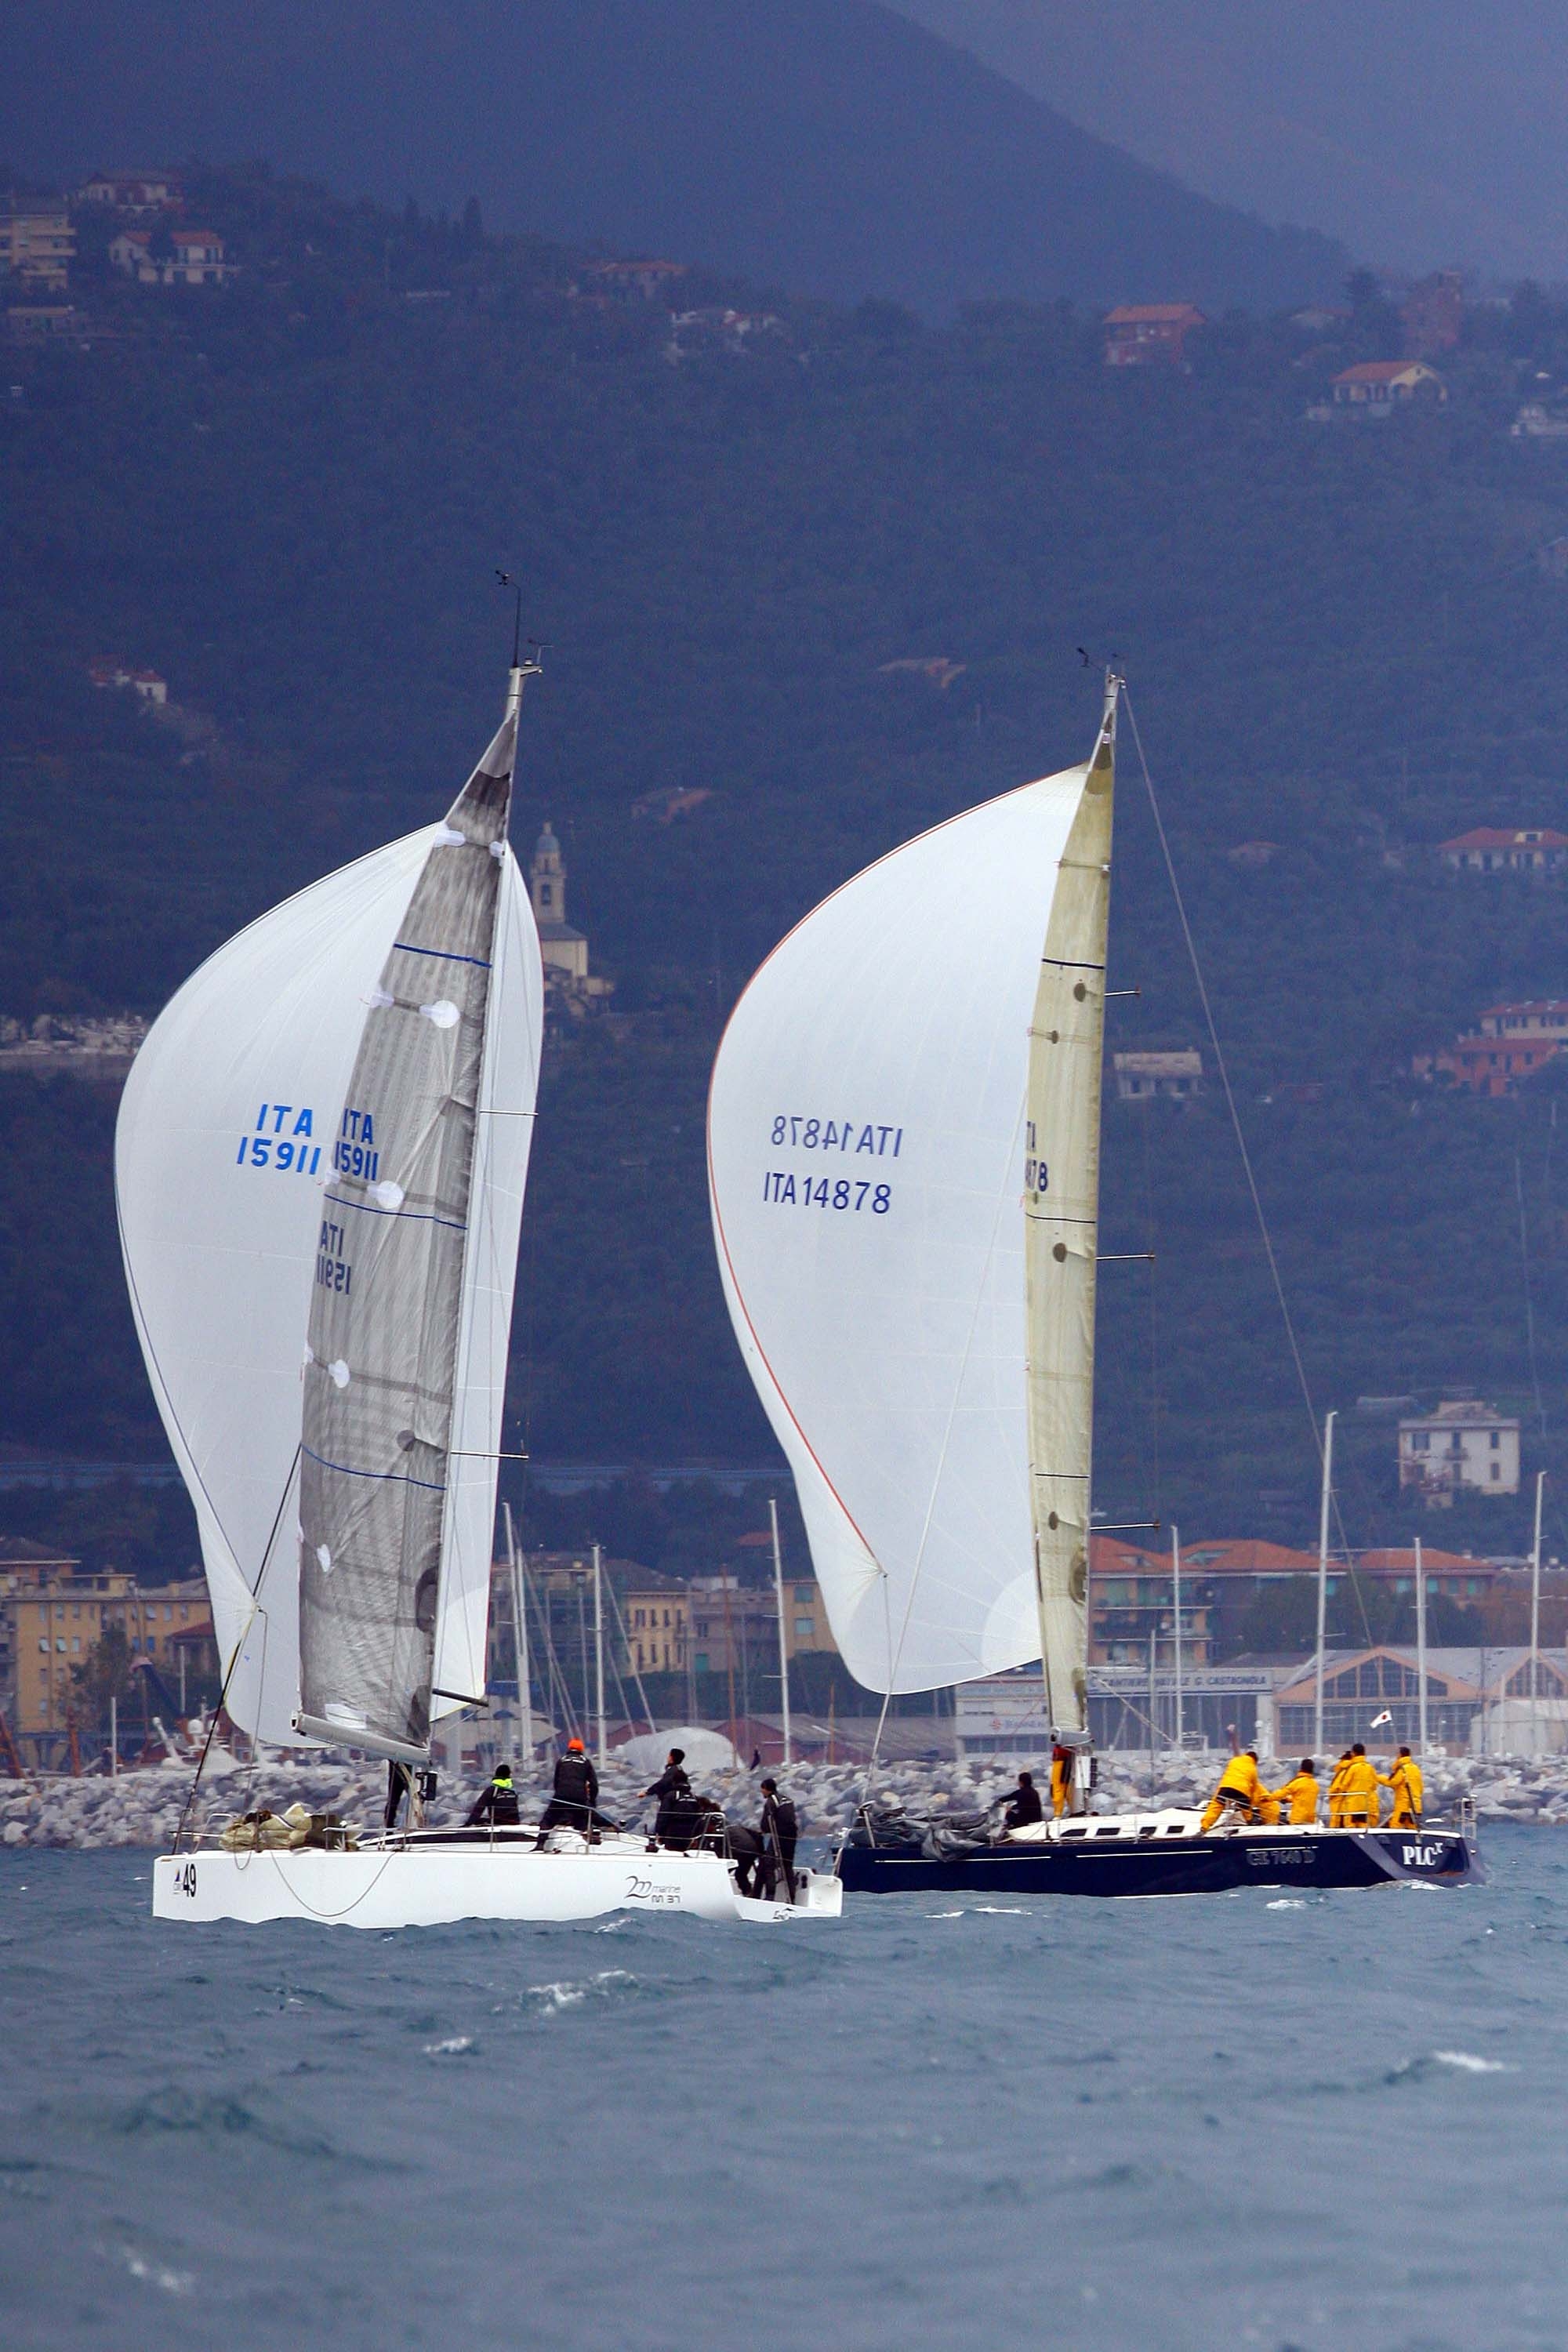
(1176, 1865)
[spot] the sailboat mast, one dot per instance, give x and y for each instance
(783, 1646)
(599, 1654)
(1061, 1214)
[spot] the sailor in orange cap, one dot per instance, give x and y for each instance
(575, 1799)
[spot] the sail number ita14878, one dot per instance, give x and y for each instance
(859, 1139)
(827, 1192)
(837, 1134)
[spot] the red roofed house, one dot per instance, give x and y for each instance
(130, 192)
(196, 259)
(1139, 332)
(1514, 1041)
(1498, 849)
(1374, 387)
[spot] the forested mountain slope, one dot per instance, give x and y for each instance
(288, 497)
(828, 147)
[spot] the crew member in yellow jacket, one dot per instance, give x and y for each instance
(1299, 1795)
(1337, 1792)
(1404, 1779)
(1359, 1791)
(1239, 1786)
(1061, 1779)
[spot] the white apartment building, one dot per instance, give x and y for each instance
(1465, 1444)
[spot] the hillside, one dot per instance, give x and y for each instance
(827, 147)
(288, 497)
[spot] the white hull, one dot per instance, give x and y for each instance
(431, 1886)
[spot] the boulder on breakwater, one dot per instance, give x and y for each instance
(143, 1807)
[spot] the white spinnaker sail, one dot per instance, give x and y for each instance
(867, 1150)
(223, 1149)
(225, 1136)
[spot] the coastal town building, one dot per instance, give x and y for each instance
(1538, 422)
(53, 1626)
(1510, 1042)
(1465, 1446)
(563, 949)
(37, 244)
(110, 676)
(1145, 334)
(1175, 1078)
(139, 193)
(1378, 387)
(1433, 314)
(188, 256)
(1535, 850)
(630, 281)
(657, 1621)
(92, 1048)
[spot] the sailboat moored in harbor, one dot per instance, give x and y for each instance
(904, 1135)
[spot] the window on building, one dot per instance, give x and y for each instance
(1495, 1435)
(60, 1644)
(76, 1643)
(43, 1644)
(803, 1593)
(804, 1629)
(1496, 1472)
(701, 1662)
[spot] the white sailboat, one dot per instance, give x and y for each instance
(320, 1166)
(904, 1130)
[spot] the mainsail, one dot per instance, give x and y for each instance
(895, 1159)
(237, 1179)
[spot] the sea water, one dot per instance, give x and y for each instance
(1267, 2118)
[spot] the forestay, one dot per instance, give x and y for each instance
(227, 1130)
(868, 1156)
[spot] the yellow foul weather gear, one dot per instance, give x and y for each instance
(1300, 1798)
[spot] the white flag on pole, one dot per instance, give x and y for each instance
(1379, 1720)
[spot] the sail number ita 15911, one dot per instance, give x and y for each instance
(283, 1138)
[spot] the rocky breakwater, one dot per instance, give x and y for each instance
(143, 1807)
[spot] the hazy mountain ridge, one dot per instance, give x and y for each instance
(827, 147)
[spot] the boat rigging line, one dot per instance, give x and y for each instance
(1221, 1066)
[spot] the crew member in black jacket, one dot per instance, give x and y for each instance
(779, 1830)
(672, 1787)
(574, 1804)
(497, 1802)
(1026, 1806)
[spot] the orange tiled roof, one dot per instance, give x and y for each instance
(1150, 314)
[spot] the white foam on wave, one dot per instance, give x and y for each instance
(984, 1911)
(554, 1997)
(1287, 1903)
(453, 2047)
(1467, 2063)
(157, 2275)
